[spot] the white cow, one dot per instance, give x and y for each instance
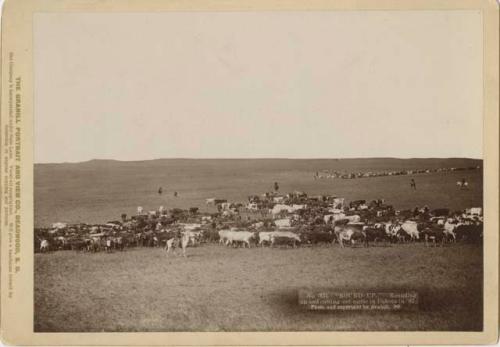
(190, 226)
(265, 236)
(390, 228)
(44, 246)
(277, 209)
(296, 207)
(283, 223)
(410, 228)
(222, 236)
(333, 217)
(194, 236)
(335, 210)
(284, 234)
(278, 199)
(139, 209)
(475, 211)
(353, 219)
(206, 219)
(238, 236)
(225, 206)
(270, 236)
(258, 225)
(338, 203)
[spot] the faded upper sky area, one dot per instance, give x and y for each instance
(133, 86)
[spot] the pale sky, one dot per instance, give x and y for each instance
(258, 85)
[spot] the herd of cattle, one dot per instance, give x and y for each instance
(271, 220)
(351, 175)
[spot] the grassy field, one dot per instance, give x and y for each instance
(99, 191)
(219, 289)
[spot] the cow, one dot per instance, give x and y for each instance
(108, 244)
(177, 241)
(283, 223)
(190, 226)
(258, 225)
(284, 237)
(353, 219)
(118, 243)
(44, 246)
(435, 235)
(408, 230)
(376, 234)
(391, 230)
(296, 207)
(194, 236)
(171, 244)
(278, 199)
(350, 233)
(59, 243)
(356, 203)
(94, 244)
(478, 211)
(278, 208)
(77, 244)
(338, 203)
(243, 237)
(264, 236)
(329, 218)
(225, 206)
(222, 236)
(317, 237)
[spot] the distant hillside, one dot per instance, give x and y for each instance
(320, 164)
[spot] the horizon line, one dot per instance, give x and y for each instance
(250, 158)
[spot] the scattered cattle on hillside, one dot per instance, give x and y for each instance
(291, 220)
(365, 174)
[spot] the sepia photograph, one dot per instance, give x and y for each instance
(231, 174)
(245, 168)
